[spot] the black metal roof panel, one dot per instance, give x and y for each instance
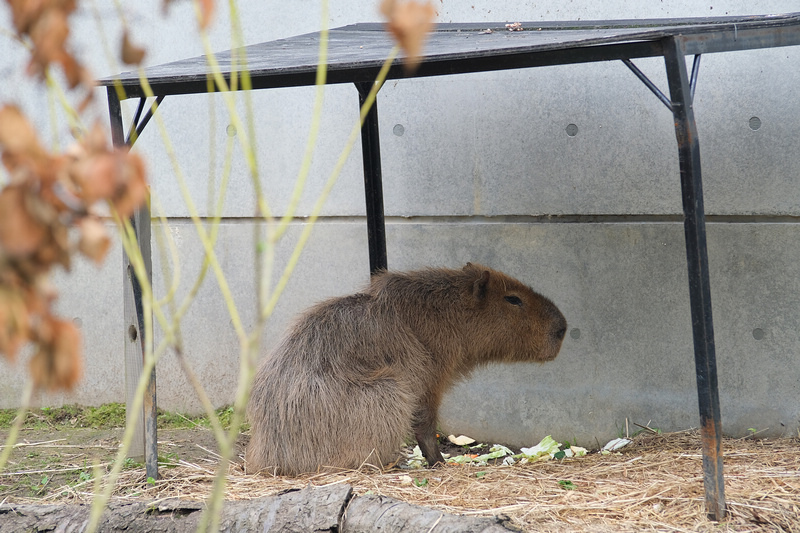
(357, 52)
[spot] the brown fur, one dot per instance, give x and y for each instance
(356, 375)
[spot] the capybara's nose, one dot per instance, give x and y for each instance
(559, 326)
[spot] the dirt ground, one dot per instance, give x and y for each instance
(653, 484)
(48, 463)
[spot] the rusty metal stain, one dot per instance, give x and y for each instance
(712, 469)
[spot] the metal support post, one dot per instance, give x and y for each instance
(373, 183)
(144, 445)
(699, 285)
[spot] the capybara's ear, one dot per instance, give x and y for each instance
(481, 286)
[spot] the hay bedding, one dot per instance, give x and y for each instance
(655, 483)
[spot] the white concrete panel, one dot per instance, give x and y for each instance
(205, 145)
(91, 297)
(623, 286)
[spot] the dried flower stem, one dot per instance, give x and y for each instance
(13, 434)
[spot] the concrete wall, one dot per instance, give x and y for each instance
(473, 167)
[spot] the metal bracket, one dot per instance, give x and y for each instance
(655, 90)
(137, 127)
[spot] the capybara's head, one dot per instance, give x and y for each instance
(514, 322)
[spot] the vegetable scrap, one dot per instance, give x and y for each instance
(547, 449)
(461, 440)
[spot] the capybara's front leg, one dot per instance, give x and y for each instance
(425, 432)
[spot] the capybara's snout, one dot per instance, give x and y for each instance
(557, 330)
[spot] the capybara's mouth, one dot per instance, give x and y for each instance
(551, 356)
(555, 345)
(547, 354)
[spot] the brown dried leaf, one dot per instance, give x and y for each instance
(21, 234)
(206, 13)
(131, 54)
(96, 139)
(17, 137)
(94, 242)
(40, 296)
(24, 13)
(49, 34)
(132, 189)
(409, 22)
(67, 353)
(97, 173)
(95, 177)
(31, 233)
(58, 189)
(75, 73)
(55, 250)
(58, 365)
(45, 21)
(14, 326)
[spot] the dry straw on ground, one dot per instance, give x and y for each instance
(655, 483)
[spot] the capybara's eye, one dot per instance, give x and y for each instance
(514, 300)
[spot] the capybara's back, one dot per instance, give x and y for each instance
(358, 374)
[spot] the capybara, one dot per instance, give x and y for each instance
(356, 375)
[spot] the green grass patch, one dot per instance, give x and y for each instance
(66, 414)
(168, 420)
(110, 415)
(107, 416)
(131, 463)
(7, 417)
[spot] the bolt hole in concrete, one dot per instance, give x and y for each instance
(572, 130)
(758, 334)
(132, 333)
(77, 321)
(398, 130)
(575, 333)
(755, 123)
(230, 130)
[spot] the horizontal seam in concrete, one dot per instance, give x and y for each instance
(524, 219)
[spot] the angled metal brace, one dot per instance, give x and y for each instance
(695, 73)
(655, 90)
(137, 127)
(650, 85)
